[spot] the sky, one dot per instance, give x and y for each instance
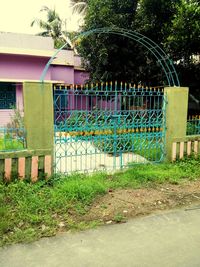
(17, 15)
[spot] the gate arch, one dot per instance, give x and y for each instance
(162, 58)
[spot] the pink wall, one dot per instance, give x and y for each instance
(80, 76)
(19, 97)
(22, 67)
(62, 73)
(68, 74)
(5, 115)
(81, 103)
(30, 68)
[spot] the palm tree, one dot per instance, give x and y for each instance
(79, 6)
(53, 27)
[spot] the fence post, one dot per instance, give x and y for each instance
(176, 115)
(38, 115)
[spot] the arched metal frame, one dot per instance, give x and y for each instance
(162, 58)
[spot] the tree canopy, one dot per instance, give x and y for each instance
(172, 24)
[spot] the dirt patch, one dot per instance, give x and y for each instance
(117, 206)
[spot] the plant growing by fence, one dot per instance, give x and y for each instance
(13, 136)
(193, 125)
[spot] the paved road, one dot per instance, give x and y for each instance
(169, 239)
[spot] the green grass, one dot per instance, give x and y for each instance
(31, 211)
(151, 149)
(193, 127)
(8, 144)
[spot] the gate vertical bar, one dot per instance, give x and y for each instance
(115, 127)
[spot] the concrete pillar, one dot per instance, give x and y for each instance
(38, 115)
(176, 115)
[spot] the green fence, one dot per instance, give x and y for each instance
(193, 125)
(107, 126)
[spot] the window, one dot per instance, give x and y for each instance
(7, 95)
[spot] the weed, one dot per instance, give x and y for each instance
(119, 218)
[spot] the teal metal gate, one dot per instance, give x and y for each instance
(107, 126)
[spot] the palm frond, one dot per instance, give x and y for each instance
(79, 7)
(52, 26)
(46, 34)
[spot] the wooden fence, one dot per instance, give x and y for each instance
(26, 164)
(185, 147)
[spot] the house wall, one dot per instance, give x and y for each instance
(68, 74)
(62, 73)
(22, 67)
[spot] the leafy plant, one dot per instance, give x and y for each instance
(193, 127)
(118, 218)
(15, 130)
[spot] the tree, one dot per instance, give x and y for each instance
(53, 27)
(183, 41)
(110, 57)
(153, 18)
(79, 6)
(183, 44)
(172, 24)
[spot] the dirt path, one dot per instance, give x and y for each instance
(119, 205)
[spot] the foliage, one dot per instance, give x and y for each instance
(183, 44)
(15, 130)
(119, 218)
(53, 27)
(31, 211)
(17, 122)
(109, 57)
(7, 143)
(153, 18)
(174, 25)
(193, 127)
(13, 136)
(79, 6)
(183, 40)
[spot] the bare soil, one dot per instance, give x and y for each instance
(119, 205)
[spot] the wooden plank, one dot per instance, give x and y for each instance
(181, 150)
(47, 166)
(174, 146)
(34, 169)
(189, 148)
(8, 169)
(196, 148)
(21, 167)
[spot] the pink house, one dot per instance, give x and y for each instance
(23, 58)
